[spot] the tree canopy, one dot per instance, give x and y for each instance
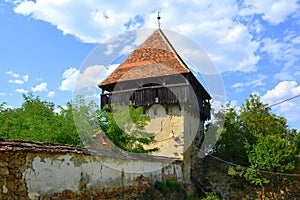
(75, 123)
(40, 121)
(256, 139)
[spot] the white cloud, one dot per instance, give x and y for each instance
(17, 78)
(17, 81)
(273, 11)
(51, 94)
(238, 85)
(91, 76)
(2, 94)
(283, 91)
(274, 48)
(258, 80)
(227, 41)
(26, 77)
(12, 74)
(69, 76)
(284, 53)
(42, 87)
(88, 78)
(21, 90)
(221, 37)
(83, 19)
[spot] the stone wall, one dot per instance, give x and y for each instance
(30, 170)
(214, 177)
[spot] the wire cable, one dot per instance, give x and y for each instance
(283, 101)
(261, 171)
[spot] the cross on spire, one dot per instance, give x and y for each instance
(158, 18)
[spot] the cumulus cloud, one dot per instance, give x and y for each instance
(273, 11)
(223, 37)
(21, 90)
(51, 94)
(26, 77)
(91, 76)
(69, 76)
(282, 91)
(258, 80)
(17, 79)
(13, 74)
(284, 53)
(85, 19)
(275, 49)
(87, 78)
(42, 87)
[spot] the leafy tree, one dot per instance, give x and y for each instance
(271, 153)
(75, 123)
(37, 120)
(85, 118)
(67, 132)
(6, 118)
(258, 140)
(124, 127)
(232, 137)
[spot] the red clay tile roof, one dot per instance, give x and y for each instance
(154, 58)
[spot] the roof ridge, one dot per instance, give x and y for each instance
(173, 49)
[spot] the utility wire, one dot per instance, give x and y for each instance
(280, 102)
(262, 171)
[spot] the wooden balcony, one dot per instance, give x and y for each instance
(172, 94)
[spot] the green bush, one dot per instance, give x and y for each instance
(162, 187)
(174, 186)
(150, 191)
(211, 196)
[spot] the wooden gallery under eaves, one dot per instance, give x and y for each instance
(155, 77)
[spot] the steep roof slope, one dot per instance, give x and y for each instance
(153, 58)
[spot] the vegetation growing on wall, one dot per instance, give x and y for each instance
(125, 128)
(258, 141)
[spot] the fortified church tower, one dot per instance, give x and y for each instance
(155, 77)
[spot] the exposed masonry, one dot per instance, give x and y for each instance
(31, 170)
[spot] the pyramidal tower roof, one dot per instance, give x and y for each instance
(155, 57)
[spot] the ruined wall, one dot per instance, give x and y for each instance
(214, 177)
(31, 170)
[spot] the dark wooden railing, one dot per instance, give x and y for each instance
(147, 96)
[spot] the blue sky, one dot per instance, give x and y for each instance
(254, 44)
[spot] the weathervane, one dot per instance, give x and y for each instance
(158, 18)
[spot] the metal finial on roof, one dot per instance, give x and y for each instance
(158, 18)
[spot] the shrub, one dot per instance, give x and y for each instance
(162, 187)
(211, 196)
(173, 185)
